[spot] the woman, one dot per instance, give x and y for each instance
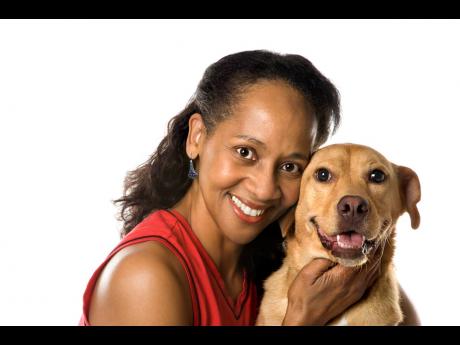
(200, 216)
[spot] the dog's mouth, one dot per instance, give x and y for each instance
(345, 245)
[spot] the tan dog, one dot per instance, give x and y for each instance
(350, 200)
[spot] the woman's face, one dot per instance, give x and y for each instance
(250, 167)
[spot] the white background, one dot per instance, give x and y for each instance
(84, 101)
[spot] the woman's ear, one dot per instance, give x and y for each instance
(409, 186)
(196, 130)
(287, 222)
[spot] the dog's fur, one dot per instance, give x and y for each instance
(318, 207)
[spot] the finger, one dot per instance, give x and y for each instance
(321, 265)
(373, 273)
(377, 252)
(370, 269)
(375, 258)
(316, 268)
(372, 278)
(343, 273)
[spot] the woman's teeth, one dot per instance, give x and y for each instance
(245, 208)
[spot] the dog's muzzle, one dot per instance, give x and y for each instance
(345, 245)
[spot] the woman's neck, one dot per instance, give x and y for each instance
(222, 251)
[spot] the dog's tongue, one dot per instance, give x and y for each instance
(350, 240)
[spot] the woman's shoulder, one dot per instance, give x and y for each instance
(145, 260)
(142, 284)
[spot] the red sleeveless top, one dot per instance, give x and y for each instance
(211, 304)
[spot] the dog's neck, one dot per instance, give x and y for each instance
(389, 250)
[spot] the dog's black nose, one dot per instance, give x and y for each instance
(353, 208)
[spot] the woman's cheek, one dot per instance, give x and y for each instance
(224, 172)
(291, 192)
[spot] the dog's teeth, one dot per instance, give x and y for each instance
(349, 241)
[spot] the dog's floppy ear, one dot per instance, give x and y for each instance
(286, 222)
(409, 185)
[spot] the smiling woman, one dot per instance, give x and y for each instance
(247, 158)
(201, 214)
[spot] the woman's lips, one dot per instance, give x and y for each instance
(241, 215)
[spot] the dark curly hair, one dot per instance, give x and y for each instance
(161, 181)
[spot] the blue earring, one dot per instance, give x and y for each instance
(191, 171)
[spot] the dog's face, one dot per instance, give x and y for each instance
(350, 200)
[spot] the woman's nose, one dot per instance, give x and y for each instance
(265, 186)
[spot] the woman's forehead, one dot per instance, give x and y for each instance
(272, 112)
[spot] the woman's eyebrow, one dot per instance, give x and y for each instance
(298, 155)
(249, 138)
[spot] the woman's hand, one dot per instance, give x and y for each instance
(323, 290)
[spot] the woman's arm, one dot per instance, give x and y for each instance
(322, 291)
(143, 284)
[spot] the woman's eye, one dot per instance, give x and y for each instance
(291, 168)
(245, 152)
(377, 176)
(323, 175)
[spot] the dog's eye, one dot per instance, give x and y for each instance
(323, 175)
(377, 176)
